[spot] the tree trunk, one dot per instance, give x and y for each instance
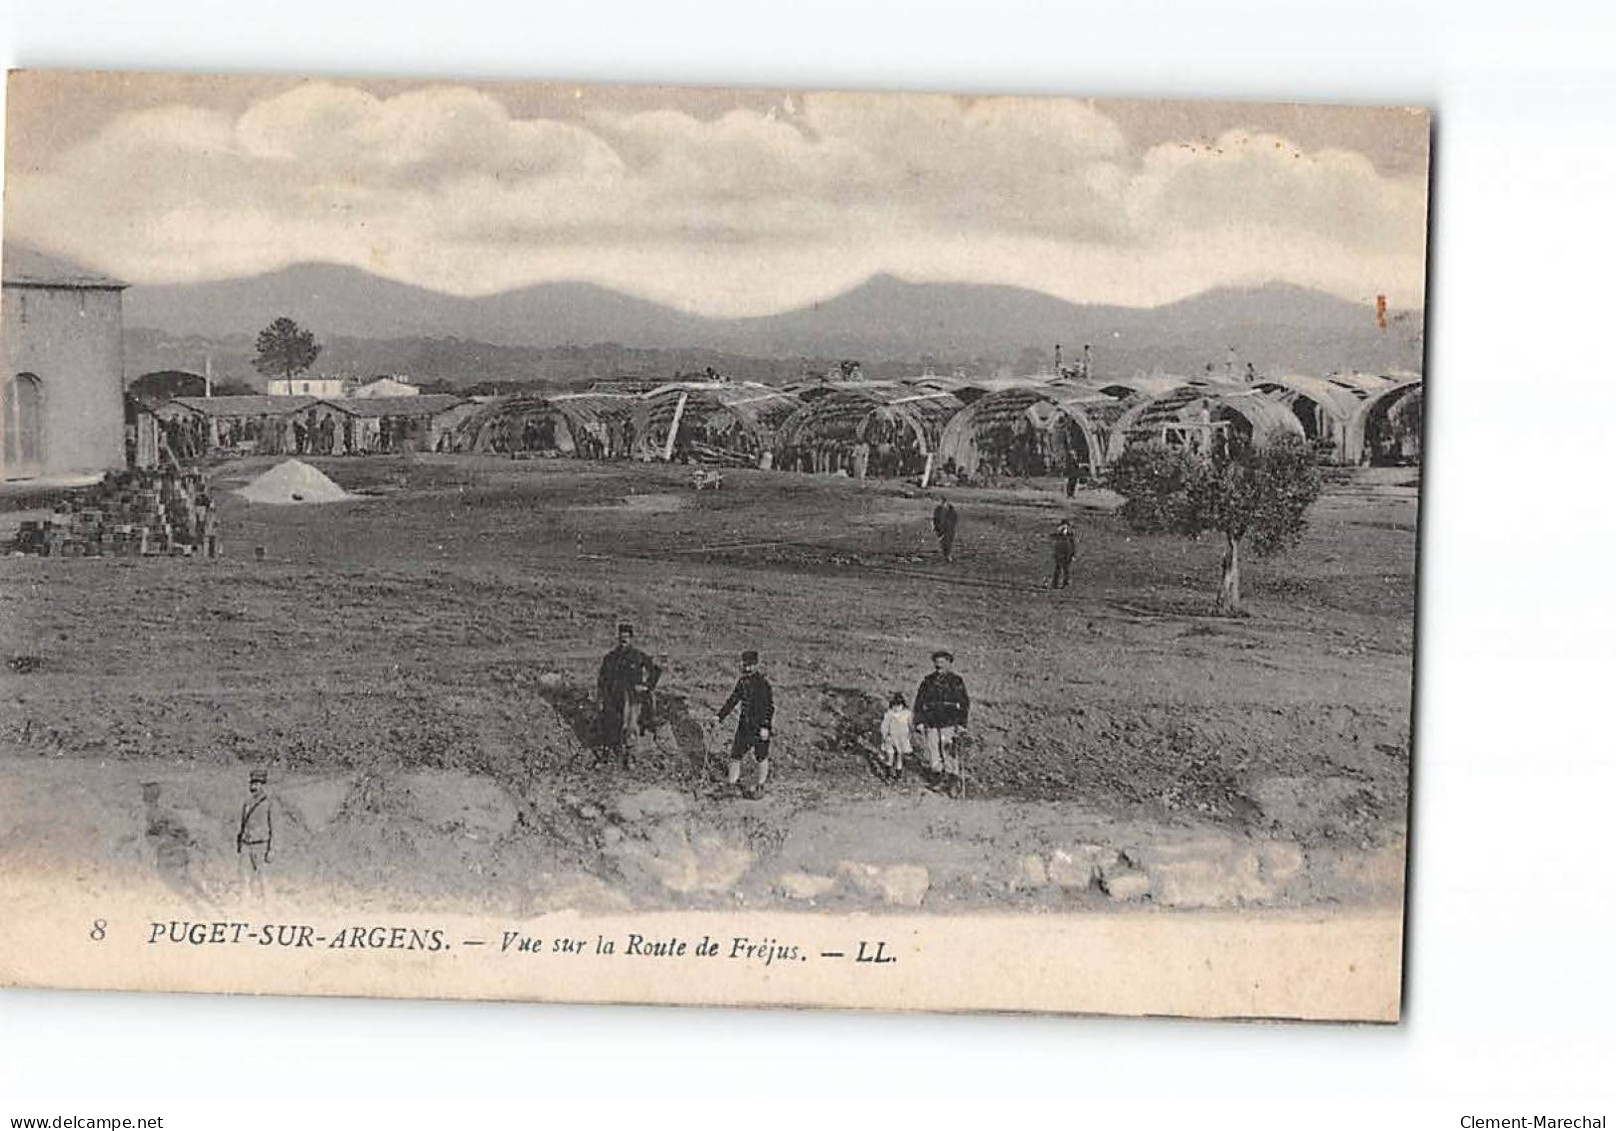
(1229, 588)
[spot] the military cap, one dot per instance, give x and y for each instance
(624, 627)
(749, 656)
(258, 776)
(943, 654)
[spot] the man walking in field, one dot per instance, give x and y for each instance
(622, 691)
(942, 711)
(1064, 544)
(755, 726)
(944, 522)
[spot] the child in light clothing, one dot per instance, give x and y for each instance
(896, 727)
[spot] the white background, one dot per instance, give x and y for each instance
(1510, 984)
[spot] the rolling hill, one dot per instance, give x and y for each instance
(888, 320)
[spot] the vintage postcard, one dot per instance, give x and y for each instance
(532, 541)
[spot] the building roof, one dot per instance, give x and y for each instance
(759, 408)
(422, 404)
(1336, 399)
(25, 266)
(1143, 384)
(243, 405)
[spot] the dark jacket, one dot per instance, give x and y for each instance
(944, 519)
(626, 671)
(1065, 545)
(942, 701)
(756, 700)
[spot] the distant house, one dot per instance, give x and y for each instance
(61, 368)
(326, 388)
(385, 387)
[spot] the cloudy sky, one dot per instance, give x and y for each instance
(716, 202)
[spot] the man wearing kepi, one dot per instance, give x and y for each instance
(755, 726)
(623, 690)
(255, 836)
(942, 710)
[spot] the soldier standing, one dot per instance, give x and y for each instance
(1064, 544)
(256, 834)
(622, 690)
(942, 710)
(755, 726)
(944, 522)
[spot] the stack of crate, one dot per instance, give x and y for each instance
(127, 514)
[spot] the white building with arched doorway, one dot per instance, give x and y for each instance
(61, 367)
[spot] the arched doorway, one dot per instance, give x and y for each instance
(23, 422)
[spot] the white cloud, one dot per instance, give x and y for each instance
(749, 212)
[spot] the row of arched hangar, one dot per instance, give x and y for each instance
(1017, 427)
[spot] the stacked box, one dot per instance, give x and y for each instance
(145, 513)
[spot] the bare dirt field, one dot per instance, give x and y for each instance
(413, 665)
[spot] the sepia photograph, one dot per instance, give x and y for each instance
(679, 545)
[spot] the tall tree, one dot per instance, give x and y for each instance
(1255, 497)
(285, 349)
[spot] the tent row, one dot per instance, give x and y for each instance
(976, 430)
(1018, 428)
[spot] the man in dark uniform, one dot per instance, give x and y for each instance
(942, 710)
(755, 727)
(944, 522)
(1065, 547)
(622, 691)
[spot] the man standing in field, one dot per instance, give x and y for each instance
(755, 727)
(622, 690)
(1065, 549)
(255, 835)
(944, 522)
(942, 710)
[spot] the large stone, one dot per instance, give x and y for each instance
(805, 885)
(902, 885)
(1193, 883)
(653, 802)
(1218, 881)
(1123, 885)
(681, 863)
(1030, 874)
(1080, 867)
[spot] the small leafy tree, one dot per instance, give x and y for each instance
(1252, 496)
(285, 349)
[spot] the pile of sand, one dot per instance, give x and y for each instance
(293, 482)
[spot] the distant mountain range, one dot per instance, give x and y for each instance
(371, 324)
